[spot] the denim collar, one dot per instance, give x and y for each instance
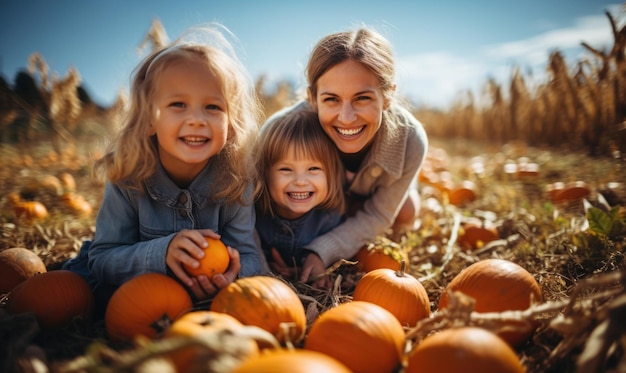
(161, 188)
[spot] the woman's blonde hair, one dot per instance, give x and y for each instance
(300, 131)
(363, 45)
(132, 156)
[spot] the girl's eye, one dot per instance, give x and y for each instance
(177, 104)
(284, 169)
(363, 98)
(315, 168)
(213, 107)
(329, 99)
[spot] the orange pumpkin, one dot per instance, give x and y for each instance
(292, 361)
(76, 203)
(466, 349)
(55, 297)
(266, 302)
(474, 236)
(383, 255)
(28, 210)
(16, 265)
(215, 260)
(195, 323)
(145, 305)
(396, 291)
(363, 336)
(498, 285)
(462, 194)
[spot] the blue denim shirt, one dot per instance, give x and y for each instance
(134, 229)
(290, 236)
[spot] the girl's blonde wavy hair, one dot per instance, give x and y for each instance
(132, 156)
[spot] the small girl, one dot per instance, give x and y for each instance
(301, 195)
(179, 170)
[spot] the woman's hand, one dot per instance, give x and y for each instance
(313, 270)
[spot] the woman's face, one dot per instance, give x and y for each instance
(350, 105)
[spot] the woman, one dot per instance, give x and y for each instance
(351, 85)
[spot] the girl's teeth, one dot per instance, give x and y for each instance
(194, 140)
(350, 131)
(300, 195)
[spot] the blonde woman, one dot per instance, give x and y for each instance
(351, 86)
(179, 170)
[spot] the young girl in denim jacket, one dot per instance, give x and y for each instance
(301, 195)
(179, 170)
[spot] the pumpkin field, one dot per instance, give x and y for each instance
(517, 262)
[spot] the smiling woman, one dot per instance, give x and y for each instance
(351, 87)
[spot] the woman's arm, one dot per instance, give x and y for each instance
(379, 210)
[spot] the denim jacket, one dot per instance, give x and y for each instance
(134, 229)
(290, 236)
(383, 181)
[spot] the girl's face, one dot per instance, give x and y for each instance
(297, 185)
(190, 118)
(350, 105)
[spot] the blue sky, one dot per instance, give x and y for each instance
(441, 47)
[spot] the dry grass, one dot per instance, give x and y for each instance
(581, 275)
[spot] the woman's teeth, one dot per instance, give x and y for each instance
(350, 131)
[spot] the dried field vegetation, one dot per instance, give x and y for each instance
(573, 247)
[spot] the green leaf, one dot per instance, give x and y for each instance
(599, 221)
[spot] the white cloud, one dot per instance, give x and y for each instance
(435, 79)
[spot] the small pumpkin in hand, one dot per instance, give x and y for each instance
(16, 265)
(266, 302)
(145, 305)
(466, 349)
(215, 260)
(498, 285)
(396, 291)
(363, 336)
(55, 297)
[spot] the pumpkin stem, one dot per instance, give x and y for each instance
(402, 271)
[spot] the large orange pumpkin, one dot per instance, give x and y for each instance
(266, 302)
(396, 291)
(498, 285)
(202, 322)
(292, 361)
(16, 265)
(215, 260)
(466, 349)
(363, 336)
(145, 305)
(55, 297)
